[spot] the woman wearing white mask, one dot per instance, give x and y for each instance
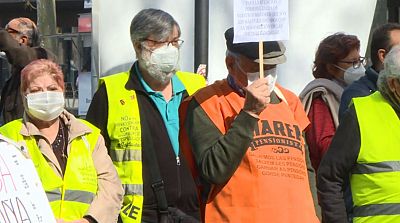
(69, 154)
(337, 64)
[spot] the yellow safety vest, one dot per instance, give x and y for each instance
(375, 178)
(125, 133)
(71, 196)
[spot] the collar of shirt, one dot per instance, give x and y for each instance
(372, 75)
(177, 86)
(234, 86)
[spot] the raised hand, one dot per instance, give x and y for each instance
(257, 97)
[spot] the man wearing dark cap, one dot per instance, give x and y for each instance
(247, 149)
(19, 41)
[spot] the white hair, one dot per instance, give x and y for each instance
(391, 68)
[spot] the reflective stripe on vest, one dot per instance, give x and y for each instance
(377, 209)
(124, 131)
(126, 155)
(374, 178)
(53, 195)
(381, 167)
(79, 196)
(132, 189)
(71, 196)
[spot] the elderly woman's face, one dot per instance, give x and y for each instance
(43, 83)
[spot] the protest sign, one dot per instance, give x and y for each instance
(261, 20)
(22, 198)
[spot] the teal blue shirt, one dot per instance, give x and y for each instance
(168, 110)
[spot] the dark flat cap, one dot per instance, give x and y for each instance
(274, 51)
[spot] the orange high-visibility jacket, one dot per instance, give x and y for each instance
(271, 183)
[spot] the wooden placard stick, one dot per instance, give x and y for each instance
(261, 58)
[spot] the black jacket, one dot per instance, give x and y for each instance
(336, 165)
(18, 56)
(179, 186)
(364, 86)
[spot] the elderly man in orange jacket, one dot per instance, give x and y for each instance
(247, 145)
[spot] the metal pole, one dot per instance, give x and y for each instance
(380, 18)
(201, 25)
(46, 16)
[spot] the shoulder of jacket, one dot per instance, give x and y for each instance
(362, 86)
(207, 91)
(89, 125)
(287, 93)
(117, 76)
(12, 125)
(8, 140)
(115, 79)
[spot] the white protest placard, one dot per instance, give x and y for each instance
(22, 198)
(261, 20)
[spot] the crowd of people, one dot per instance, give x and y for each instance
(158, 145)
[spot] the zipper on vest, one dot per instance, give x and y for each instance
(178, 172)
(178, 161)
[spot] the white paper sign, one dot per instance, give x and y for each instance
(22, 198)
(261, 20)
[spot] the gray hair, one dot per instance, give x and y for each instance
(391, 69)
(235, 55)
(230, 53)
(152, 22)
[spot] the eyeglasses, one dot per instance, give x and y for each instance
(154, 43)
(357, 63)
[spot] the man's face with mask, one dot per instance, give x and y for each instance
(246, 71)
(160, 58)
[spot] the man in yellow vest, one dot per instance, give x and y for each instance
(366, 148)
(137, 112)
(247, 143)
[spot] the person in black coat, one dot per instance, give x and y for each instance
(19, 41)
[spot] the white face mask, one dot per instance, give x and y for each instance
(45, 106)
(269, 74)
(162, 62)
(166, 58)
(352, 74)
